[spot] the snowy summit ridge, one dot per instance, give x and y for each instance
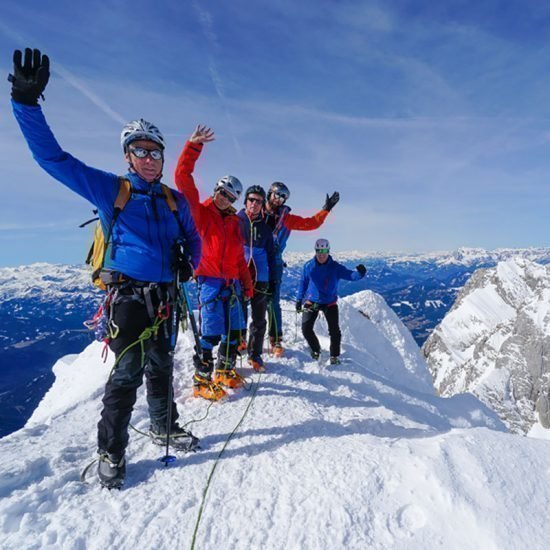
(362, 455)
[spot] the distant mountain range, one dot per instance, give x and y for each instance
(43, 307)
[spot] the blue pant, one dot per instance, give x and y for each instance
(220, 311)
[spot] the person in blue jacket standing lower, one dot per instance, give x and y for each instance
(138, 268)
(318, 291)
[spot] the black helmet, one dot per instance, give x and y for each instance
(280, 189)
(257, 190)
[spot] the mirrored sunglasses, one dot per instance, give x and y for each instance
(254, 200)
(225, 194)
(141, 153)
(322, 251)
(280, 196)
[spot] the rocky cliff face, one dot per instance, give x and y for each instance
(495, 341)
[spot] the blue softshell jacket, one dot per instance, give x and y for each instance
(319, 282)
(145, 232)
(259, 250)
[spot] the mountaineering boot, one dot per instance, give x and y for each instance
(180, 439)
(334, 360)
(276, 349)
(225, 373)
(315, 355)
(257, 363)
(111, 470)
(205, 388)
(228, 378)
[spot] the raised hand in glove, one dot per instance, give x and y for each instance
(29, 79)
(361, 269)
(298, 306)
(331, 201)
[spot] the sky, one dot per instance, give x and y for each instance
(432, 120)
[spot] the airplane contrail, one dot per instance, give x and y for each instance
(67, 76)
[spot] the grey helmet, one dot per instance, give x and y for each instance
(322, 244)
(140, 129)
(278, 188)
(231, 185)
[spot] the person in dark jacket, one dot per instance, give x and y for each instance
(260, 257)
(223, 276)
(318, 291)
(282, 223)
(138, 271)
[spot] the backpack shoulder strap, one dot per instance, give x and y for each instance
(170, 200)
(124, 193)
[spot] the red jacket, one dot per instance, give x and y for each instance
(220, 231)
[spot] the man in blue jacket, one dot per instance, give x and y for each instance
(260, 257)
(138, 268)
(318, 291)
(282, 223)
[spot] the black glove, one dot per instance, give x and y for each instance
(271, 288)
(298, 306)
(185, 271)
(361, 269)
(331, 201)
(29, 80)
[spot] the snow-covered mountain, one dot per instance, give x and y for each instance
(42, 307)
(494, 342)
(362, 455)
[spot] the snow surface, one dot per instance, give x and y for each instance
(362, 455)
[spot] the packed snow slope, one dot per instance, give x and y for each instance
(494, 341)
(362, 455)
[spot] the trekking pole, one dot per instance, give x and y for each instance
(168, 458)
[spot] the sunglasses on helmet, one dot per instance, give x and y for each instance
(141, 153)
(225, 194)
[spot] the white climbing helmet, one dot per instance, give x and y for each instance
(322, 244)
(231, 185)
(140, 129)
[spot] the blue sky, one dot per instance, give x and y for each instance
(432, 119)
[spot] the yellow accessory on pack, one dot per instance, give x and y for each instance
(100, 244)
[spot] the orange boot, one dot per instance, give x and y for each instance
(277, 349)
(257, 363)
(205, 388)
(228, 378)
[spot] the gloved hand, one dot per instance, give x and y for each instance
(271, 288)
(331, 201)
(361, 269)
(185, 271)
(298, 306)
(29, 80)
